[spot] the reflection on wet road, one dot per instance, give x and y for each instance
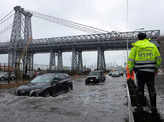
(94, 103)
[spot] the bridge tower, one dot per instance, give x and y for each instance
(15, 37)
(77, 62)
(21, 18)
(28, 59)
(101, 59)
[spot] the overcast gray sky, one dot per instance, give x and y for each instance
(105, 14)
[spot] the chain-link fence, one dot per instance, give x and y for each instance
(19, 74)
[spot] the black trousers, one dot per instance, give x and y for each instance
(148, 79)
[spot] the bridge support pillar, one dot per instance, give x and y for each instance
(28, 57)
(15, 37)
(52, 61)
(80, 61)
(74, 60)
(16, 40)
(30, 60)
(77, 62)
(60, 61)
(101, 60)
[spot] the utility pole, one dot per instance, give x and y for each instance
(127, 27)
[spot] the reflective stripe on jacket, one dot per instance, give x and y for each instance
(144, 56)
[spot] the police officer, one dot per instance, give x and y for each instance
(144, 59)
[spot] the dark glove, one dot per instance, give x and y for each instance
(131, 72)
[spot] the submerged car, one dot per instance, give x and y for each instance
(95, 77)
(6, 76)
(50, 84)
(116, 74)
(110, 73)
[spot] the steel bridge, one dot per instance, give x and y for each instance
(98, 39)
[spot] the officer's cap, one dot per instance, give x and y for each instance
(141, 36)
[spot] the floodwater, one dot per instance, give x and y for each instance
(94, 103)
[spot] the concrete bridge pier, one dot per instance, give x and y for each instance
(52, 61)
(74, 60)
(80, 61)
(77, 61)
(60, 61)
(101, 60)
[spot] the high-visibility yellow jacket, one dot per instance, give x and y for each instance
(144, 56)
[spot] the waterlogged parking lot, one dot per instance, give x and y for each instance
(106, 102)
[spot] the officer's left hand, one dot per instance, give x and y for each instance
(131, 72)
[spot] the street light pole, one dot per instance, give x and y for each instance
(127, 12)
(127, 45)
(127, 28)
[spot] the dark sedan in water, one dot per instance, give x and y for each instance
(95, 77)
(50, 84)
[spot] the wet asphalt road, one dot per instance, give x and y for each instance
(94, 103)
